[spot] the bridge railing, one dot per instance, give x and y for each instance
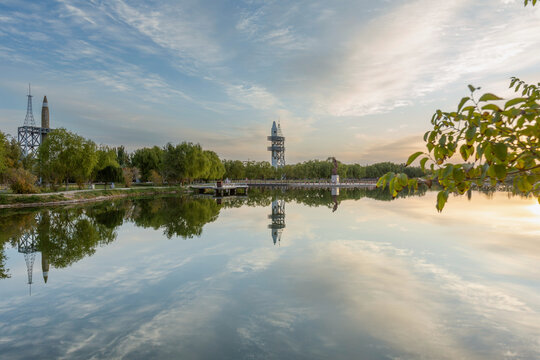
(312, 182)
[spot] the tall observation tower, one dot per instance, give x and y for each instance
(278, 146)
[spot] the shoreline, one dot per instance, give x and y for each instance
(94, 196)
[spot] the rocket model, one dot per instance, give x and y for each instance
(45, 114)
(44, 118)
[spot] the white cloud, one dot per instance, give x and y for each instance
(253, 95)
(421, 47)
(175, 29)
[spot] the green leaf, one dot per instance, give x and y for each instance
(413, 157)
(463, 102)
(447, 171)
(471, 88)
(491, 107)
(469, 135)
(463, 152)
(458, 174)
(382, 181)
(423, 163)
(403, 179)
(500, 150)
(500, 171)
(442, 140)
(489, 97)
(514, 102)
(442, 197)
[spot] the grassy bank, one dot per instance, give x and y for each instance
(12, 200)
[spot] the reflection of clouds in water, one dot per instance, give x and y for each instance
(501, 233)
(424, 317)
(484, 297)
(256, 260)
(314, 298)
(500, 215)
(377, 291)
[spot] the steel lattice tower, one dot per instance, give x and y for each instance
(29, 119)
(278, 146)
(29, 135)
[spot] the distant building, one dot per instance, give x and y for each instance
(278, 146)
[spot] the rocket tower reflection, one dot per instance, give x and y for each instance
(278, 219)
(27, 245)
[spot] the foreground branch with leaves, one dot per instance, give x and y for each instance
(497, 140)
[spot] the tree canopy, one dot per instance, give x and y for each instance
(65, 156)
(146, 160)
(3, 151)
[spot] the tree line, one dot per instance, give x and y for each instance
(65, 157)
(313, 169)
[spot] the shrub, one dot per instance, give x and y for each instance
(21, 181)
(128, 174)
(156, 178)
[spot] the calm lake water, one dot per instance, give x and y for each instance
(281, 275)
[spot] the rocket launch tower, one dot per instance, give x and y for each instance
(278, 146)
(31, 136)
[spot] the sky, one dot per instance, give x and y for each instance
(358, 80)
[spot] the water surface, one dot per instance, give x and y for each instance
(280, 275)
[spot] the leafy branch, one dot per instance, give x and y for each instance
(498, 142)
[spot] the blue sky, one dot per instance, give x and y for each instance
(358, 80)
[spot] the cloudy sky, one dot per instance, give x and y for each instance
(358, 80)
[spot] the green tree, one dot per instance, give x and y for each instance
(65, 156)
(122, 157)
(146, 160)
(215, 170)
(13, 153)
(234, 169)
(107, 168)
(499, 142)
(197, 164)
(175, 162)
(3, 152)
(187, 162)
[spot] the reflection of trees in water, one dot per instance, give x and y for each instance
(182, 217)
(67, 235)
(12, 226)
(263, 196)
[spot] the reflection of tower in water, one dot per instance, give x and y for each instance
(27, 245)
(278, 219)
(30, 243)
(45, 266)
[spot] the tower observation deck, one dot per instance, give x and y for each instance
(278, 146)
